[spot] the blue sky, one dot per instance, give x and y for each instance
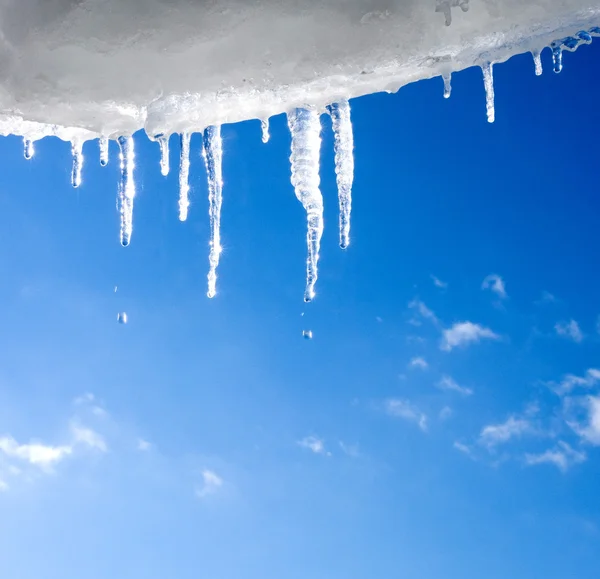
(444, 420)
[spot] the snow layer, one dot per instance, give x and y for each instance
(81, 68)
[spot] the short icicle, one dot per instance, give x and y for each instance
(488, 80)
(305, 127)
(103, 144)
(537, 61)
(557, 58)
(163, 143)
(213, 160)
(28, 149)
(77, 152)
(447, 77)
(264, 125)
(344, 164)
(184, 177)
(126, 188)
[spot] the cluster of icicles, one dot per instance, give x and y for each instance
(305, 129)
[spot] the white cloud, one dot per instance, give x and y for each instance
(562, 456)
(87, 437)
(570, 330)
(438, 282)
(446, 412)
(547, 298)
(36, 454)
(462, 448)
(423, 311)
(464, 333)
(404, 409)
(570, 382)
(449, 384)
(350, 450)
(495, 284)
(589, 427)
(494, 434)
(314, 444)
(419, 362)
(143, 445)
(3, 486)
(211, 483)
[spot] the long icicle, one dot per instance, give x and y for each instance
(184, 177)
(163, 143)
(488, 80)
(103, 144)
(344, 164)
(77, 151)
(213, 160)
(126, 188)
(305, 127)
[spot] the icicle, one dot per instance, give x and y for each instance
(557, 58)
(163, 143)
(213, 160)
(264, 125)
(305, 127)
(126, 188)
(103, 143)
(537, 60)
(77, 151)
(488, 80)
(344, 164)
(447, 76)
(28, 149)
(184, 177)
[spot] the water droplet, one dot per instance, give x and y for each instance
(307, 334)
(116, 288)
(122, 318)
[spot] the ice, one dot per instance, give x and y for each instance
(305, 127)
(344, 164)
(447, 78)
(537, 61)
(126, 188)
(488, 81)
(163, 143)
(445, 7)
(103, 145)
(87, 68)
(77, 152)
(213, 159)
(264, 125)
(184, 177)
(28, 149)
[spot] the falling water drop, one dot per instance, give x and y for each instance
(122, 317)
(307, 334)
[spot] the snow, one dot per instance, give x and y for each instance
(81, 68)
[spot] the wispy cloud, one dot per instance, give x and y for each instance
(423, 311)
(570, 382)
(465, 333)
(570, 330)
(35, 453)
(87, 437)
(495, 284)
(407, 411)
(437, 282)
(350, 450)
(143, 445)
(546, 298)
(463, 448)
(446, 412)
(314, 444)
(495, 434)
(211, 483)
(587, 424)
(563, 456)
(419, 363)
(449, 384)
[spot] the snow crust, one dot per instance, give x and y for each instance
(79, 69)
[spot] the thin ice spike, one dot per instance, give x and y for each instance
(77, 152)
(447, 77)
(163, 143)
(103, 144)
(305, 127)
(344, 164)
(557, 58)
(488, 80)
(184, 177)
(126, 188)
(537, 60)
(213, 160)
